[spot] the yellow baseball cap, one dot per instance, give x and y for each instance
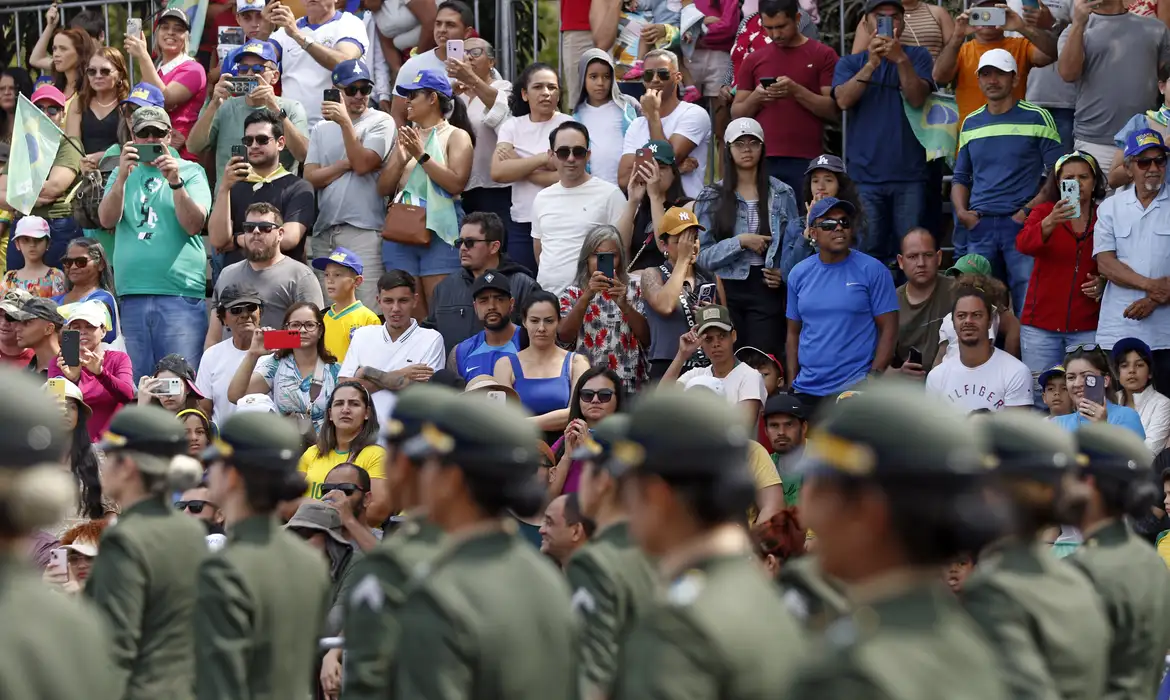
(679, 219)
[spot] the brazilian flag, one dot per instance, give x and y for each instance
(936, 125)
(35, 139)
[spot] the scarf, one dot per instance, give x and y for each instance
(421, 191)
(260, 181)
(1162, 116)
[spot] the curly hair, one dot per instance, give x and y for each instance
(88, 531)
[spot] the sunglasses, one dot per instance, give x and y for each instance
(261, 226)
(54, 110)
(1084, 347)
(347, 489)
(195, 507)
(104, 72)
(602, 395)
(262, 139)
(152, 133)
(662, 73)
(254, 69)
(467, 242)
(1145, 163)
(353, 90)
(67, 263)
(576, 151)
(243, 309)
(832, 224)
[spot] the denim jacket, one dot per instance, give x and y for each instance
(726, 258)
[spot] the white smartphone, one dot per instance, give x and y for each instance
(172, 386)
(707, 293)
(497, 396)
(455, 50)
(59, 560)
(134, 27)
(1070, 191)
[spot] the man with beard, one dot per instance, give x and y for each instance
(786, 422)
(278, 279)
(982, 376)
(492, 296)
(347, 489)
(923, 302)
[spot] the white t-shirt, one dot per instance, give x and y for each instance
(948, 335)
(1001, 381)
(562, 217)
(216, 370)
(371, 346)
(301, 77)
(741, 384)
(688, 120)
(486, 120)
(427, 60)
(527, 138)
(605, 138)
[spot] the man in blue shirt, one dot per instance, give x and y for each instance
(492, 295)
(1004, 149)
(882, 153)
(842, 310)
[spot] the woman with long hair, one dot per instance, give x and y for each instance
(88, 276)
(199, 428)
(64, 52)
(93, 118)
(601, 315)
(597, 395)
(744, 216)
(825, 177)
(13, 81)
(1134, 363)
(181, 78)
(299, 381)
(431, 162)
(105, 376)
(653, 188)
(1088, 365)
(349, 434)
(522, 154)
(80, 456)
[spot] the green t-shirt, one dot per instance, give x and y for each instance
(229, 123)
(68, 156)
(154, 255)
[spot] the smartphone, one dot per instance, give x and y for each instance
(56, 386)
(642, 156)
(239, 150)
(59, 560)
(767, 82)
(1095, 389)
(605, 264)
(1070, 191)
(149, 152)
(134, 27)
(914, 356)
(332, 95)
(885, 25)
(167, 386)
(232, 36)
(1031, 4)
(497, 396)
(71, 348)
(282, 340)
(239, 86)
(455, 50)
(707, 293)
(988, 17)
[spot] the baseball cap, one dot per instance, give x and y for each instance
(486, 382)
(72, 391)
(86, 548)
(785, 404)
(1141, 140)
(178, 365)
(679, 219)
(261, 49)
(713, 317)
(340, 256)
(38, 307)
(744, 126)
(871, 5)
(150, 116)
(747, 350)
(426, 80)
(823, 207)
(491, 279)
(48, 93)
(971, 263)
(13, 300)
(708, 382)
(92, 312)
(1053, 371)
(31, 227)
(249, 5)
(349, 72)
(255, 403)
(174, 13)
(997, 58)
(316, 516)
(236, 294)
(145, 95)
(1121, 347)
(663, 151)
(826, 161)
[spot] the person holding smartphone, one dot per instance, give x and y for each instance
(1093, 389)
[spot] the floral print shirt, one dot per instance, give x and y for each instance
(606, 338)
(48, 285)
(290, 391)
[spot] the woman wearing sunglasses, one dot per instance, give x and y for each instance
(598, 395)
(89, 277)
(93, 118)
(1093, 389)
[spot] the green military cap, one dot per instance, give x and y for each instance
(1027, 445)
(684, 434)
(894, 429)
(488, 437)
(1113, 450)
(257, 441)
(30, 422)
(601, 439)
(416, 405)
(148, 429)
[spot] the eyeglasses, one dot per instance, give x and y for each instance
(577, 152)
(195, 507)
(302, 325)
(467, 242)
(262, 139)
(252, 69)
(261, 226)
(347, 489)
(243, 309)
(67, 263)
(353, 90)
(747, 144)
(54, 110)
(832, 224)
(152, 133)
(1145, 163)
(104, 72)
(602, 395)
(475, 53)
(662, 73)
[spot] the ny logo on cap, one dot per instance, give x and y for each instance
(653, 148)
(684, 216)
(823, 160)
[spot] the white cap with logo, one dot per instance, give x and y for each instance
(744, 126)
(998, 58)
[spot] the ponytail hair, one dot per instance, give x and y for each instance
(266, 488)
(455, 112)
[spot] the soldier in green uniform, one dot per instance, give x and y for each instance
(720, 630)
(52, 646)
(145, 574)
(488, 617)
(1041, 614)
(263, 597)
(381, 578)
(814, 599)
(1128, 574)
(893, 490)
(612, 580)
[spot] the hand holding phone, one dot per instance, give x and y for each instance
(333, 95)
(914, 356)
(282, 340)
(134, 27)
(455, 50)
(605, 264)
(885, 26)
(240, 151)
(71, 347)
(1070, 191)
(707, 294)
(767, 82)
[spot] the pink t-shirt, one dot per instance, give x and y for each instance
(105, 394)
(192, 76)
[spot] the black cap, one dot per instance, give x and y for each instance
(691, 434)
(236, 294)
(787, 405)
(871, 5)
(38, 307)
(149, 429)
(253, 440)
(484, 437)
(1113, 450)
(416, 405)
(30, 426)
(491, 279)
(1024, 444)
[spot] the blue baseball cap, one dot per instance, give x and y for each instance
(340, 256)
(1131, 344)
(426, 80)
(1053, 371)
(826, 161)
(1141, 140)
(264, 50)
(349, 72)
(145, 95)
(822, 207)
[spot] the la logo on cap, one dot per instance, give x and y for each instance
(822, 161)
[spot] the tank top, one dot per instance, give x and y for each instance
(443, 131)
(922, 29)
(545, 395)
(98, 134)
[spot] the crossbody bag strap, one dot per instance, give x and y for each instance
(699, 359)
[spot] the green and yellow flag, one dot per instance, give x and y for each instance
(35, 139)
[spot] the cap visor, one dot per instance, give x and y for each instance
(713, 324)
(84, 548)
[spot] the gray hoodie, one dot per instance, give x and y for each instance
(630, 107)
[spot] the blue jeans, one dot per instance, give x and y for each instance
(156, 326)
(520, 244)
(892, 209)
(995, 239)
(61, 233)
(1041, 349)
(1064, 125)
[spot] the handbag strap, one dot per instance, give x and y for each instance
(318, 381)
(699, 359)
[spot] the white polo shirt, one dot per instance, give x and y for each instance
(301, 77)
(371, 346)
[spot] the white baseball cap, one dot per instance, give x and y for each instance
(998, 58)
(744, 126)
(31, 227)
(92, 312)
(256, 403)
(707, 382)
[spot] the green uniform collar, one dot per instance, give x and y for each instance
(256, 528)
(148, 506)
(1114, 534)
(617, 534)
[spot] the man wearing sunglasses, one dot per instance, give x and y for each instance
(53, 203)
(237, 308)
(347, 489)
(11, 353)
(345, 156)
(194, 502)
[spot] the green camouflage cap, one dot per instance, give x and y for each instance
(30, 422)
(600, 441)
(148, 429)
(971, 263)
(417, 404)
(894, 429)
(1113, 450)
(254, 440)
(684, 434)
(1025, 444)
(485, 437)
(150, 116)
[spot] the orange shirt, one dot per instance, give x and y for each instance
(968, 97)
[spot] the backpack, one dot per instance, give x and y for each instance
(87, 195)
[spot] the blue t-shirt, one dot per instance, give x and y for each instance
(1123, 416)
(881, 146)
(1001, 156)
(836, 305)
(474, 356)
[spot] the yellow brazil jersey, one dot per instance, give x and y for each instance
(340, 325)
(316, 467)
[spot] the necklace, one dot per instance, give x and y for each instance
(111, 103)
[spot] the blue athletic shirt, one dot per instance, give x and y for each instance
(474, 356)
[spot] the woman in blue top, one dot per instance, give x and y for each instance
(88, 276)
(825, 177)
(543, 374)
(1083, 365)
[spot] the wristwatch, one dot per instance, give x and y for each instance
(309, 41)
(424, 158)
(178, 186)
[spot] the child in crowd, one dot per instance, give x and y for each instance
(343, 275)
(605, 111)
(31, 238)
(957, 571)
(768, 367)
(1055, 387)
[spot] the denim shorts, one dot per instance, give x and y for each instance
(435, 258)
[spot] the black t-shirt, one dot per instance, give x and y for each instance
(295, 199)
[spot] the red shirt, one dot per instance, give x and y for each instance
(575, 15)
(20, 361)
(790, 130)
(1061, 265)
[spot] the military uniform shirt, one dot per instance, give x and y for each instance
(812, 598)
